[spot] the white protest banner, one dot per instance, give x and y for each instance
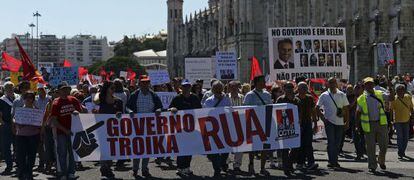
(385, 53)
(28, 116)
(190, 132)
(199, 68)
(68, 74)
(166, 98)
(123, 74)
(158, 77)
(313, 52)
(226, 65)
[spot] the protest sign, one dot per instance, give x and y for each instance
(226, 65)
(385, 53)
(166, 98)
(199, 68)
(190, 132)
(313, 52)
(123, 74)
(68, 74)
(28, 116)
(158, 77)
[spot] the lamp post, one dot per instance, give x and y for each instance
(37, 15)
(31, 25)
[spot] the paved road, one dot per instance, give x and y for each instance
(203, 169)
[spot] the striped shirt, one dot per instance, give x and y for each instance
(237, 100)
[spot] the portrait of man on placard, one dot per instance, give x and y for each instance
(316, 46)
(283, 52)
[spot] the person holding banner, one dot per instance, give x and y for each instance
(184, 101)
(236, 100)
(61, 118)
(258, 97)
(108, 104)
(7, 137)
(143, 100)
(288, 157)
(219, 99)
(27, 141)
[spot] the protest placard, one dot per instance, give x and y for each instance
(313, 52)
(158, 77)
(68, 74)
(385, 53)
(226, 65)
(199, 68)
(190, 132)
(166, 98)
(28, 116)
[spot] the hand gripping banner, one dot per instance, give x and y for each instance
(191, 132)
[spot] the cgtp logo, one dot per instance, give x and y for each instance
(285, 124)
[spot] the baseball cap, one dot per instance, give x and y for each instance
(63, 86)
(144, 78)
(368, 79)
(185, 82)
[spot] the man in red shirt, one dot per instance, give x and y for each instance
(61, 117)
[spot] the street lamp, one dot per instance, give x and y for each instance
(37, 15)
(31, 25)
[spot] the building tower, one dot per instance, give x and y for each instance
(175, 19)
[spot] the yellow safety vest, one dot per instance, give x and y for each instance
(362, 102)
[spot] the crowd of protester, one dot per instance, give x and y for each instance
(369, 112)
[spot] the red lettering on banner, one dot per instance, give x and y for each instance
(189, 124)
(172, 144)
(126, 127)
(139, 126)
(112, 131)
(226, 131)
(162, 126)
(251, 116)
(150, 125)
(175, 124)
(213, 132)
(138, 146)
(158, 144)
(112, 146)
(148, 145)
(124, 146)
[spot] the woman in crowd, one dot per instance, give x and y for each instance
(108, 104)
(27, 140)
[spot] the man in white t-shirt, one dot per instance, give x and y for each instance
(332, 108)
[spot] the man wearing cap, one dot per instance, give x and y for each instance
(258, 97)
(143, 100)
(7, 137)
(61, 118)
(332, 107)
(184, 101)
(370, 116)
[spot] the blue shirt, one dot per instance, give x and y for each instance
(252, 99)
(212, 101)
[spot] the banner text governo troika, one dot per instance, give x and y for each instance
(191, 132)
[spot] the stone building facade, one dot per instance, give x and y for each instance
(242, 26)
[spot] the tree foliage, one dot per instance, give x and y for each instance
(130, 45)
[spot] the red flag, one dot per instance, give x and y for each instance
(82, 71)
(255, 69)
(102, 72)
(10, 63)
(30, 73)
(131, 75)
(67, 63)
(111, 73)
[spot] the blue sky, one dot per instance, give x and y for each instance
(111, 18)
